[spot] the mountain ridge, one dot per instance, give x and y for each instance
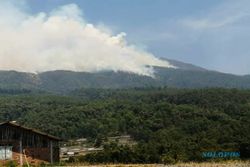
(63, 81)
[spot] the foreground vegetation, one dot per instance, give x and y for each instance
(169, 125)
(190, 164)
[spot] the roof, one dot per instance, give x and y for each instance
(32, 130)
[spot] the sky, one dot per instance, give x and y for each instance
(214, 34)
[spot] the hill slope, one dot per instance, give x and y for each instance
(185, 76)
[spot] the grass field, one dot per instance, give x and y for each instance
(207, 164)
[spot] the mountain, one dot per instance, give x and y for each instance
(184, 66)
(18, 80)
(184, 76)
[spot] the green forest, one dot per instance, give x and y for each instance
(169, 125)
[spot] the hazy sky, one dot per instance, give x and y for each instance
(211, 33)
(62, 38)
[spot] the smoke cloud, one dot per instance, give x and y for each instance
(63, 40)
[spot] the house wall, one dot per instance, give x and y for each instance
(37, 147)
(34, 156)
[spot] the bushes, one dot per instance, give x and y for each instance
(11, 163)
(146, 153)
(112, 153)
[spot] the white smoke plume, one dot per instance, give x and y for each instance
(63, 40)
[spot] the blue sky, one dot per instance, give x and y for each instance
(214, 33)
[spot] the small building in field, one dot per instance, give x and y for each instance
(25, 145)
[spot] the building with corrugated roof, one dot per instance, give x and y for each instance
(25, 145)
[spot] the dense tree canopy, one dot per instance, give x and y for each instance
(168, 124)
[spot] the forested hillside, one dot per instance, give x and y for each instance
(63, 82)
(168, 124)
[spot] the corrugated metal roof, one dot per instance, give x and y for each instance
(30, 129)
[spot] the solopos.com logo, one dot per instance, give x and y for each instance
(220, 154)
